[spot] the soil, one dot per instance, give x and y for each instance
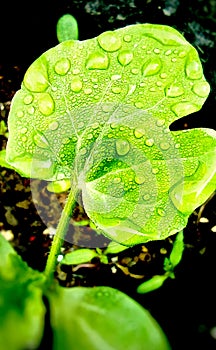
(185, 306)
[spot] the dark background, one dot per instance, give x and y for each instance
(186, 306)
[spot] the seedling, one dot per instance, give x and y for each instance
(97, 113)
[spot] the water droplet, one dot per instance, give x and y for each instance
(122, 147)
(116, 77)
(177, 145)
(46, 104)
(95, 125)
(157, 51)
(40, 140)
(168, 52)
(127, 38)
(163, 75)
(97, 60)
(28, 99)
(131, 89)
(155, 171)
(160, 211)
(173, 59)
(134, 71)
(116, 180)
(139, 104)
(90, 136)
(159, 83)
(23, 130)
(53, 126)
(76, 84)
(174, 91)
(193, 67)
(146, 197)
(164, 146)
(201, 89)
(138, 133)
(62, 66)
(20, 114)
(184, 108)
(116, 89)
(107, 108)
(160, 122)
(24, 138)
(76, 71)
(149, 142)
(151, 67)
(139, 179)
(87, 91)
(182, 54)
(36, 77)
(125, 57)
(109, 41)
(31, 110)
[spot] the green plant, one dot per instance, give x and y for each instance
(96, 114)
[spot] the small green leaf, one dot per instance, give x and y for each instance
(3, 162)
(102, 318)
(67, 28)
(177, 250)
(59, 186)
(79, 256)
(114, 248)
(153, 283)
(21, 306)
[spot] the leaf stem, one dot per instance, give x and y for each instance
(61, 231)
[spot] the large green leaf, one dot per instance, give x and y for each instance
(102, 318)
(21, 306)
(98, 111)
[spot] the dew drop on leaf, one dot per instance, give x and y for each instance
(149, 142)
(28, 99)
(40, 140)
(36, 77)
(122, 147)
(174, 91)
(138, 133)
(201, 89)
(62, 66)
(139, 179)
(23, 130)
(184, 108)
(125, 57)
(109, 41)
(164, 146)
(76, 84)
(54, 125)
(127, 38)
(97, 60)
(193, 67)
(152, 67)
(46, 104)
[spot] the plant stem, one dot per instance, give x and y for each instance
(61, 231)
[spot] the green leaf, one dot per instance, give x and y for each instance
(177, 250)
(79, 256)
(102, 318)
(114, 248)
(3, 162)
(153, 283)
(99, 111)
(21, 306)
(67, 28)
